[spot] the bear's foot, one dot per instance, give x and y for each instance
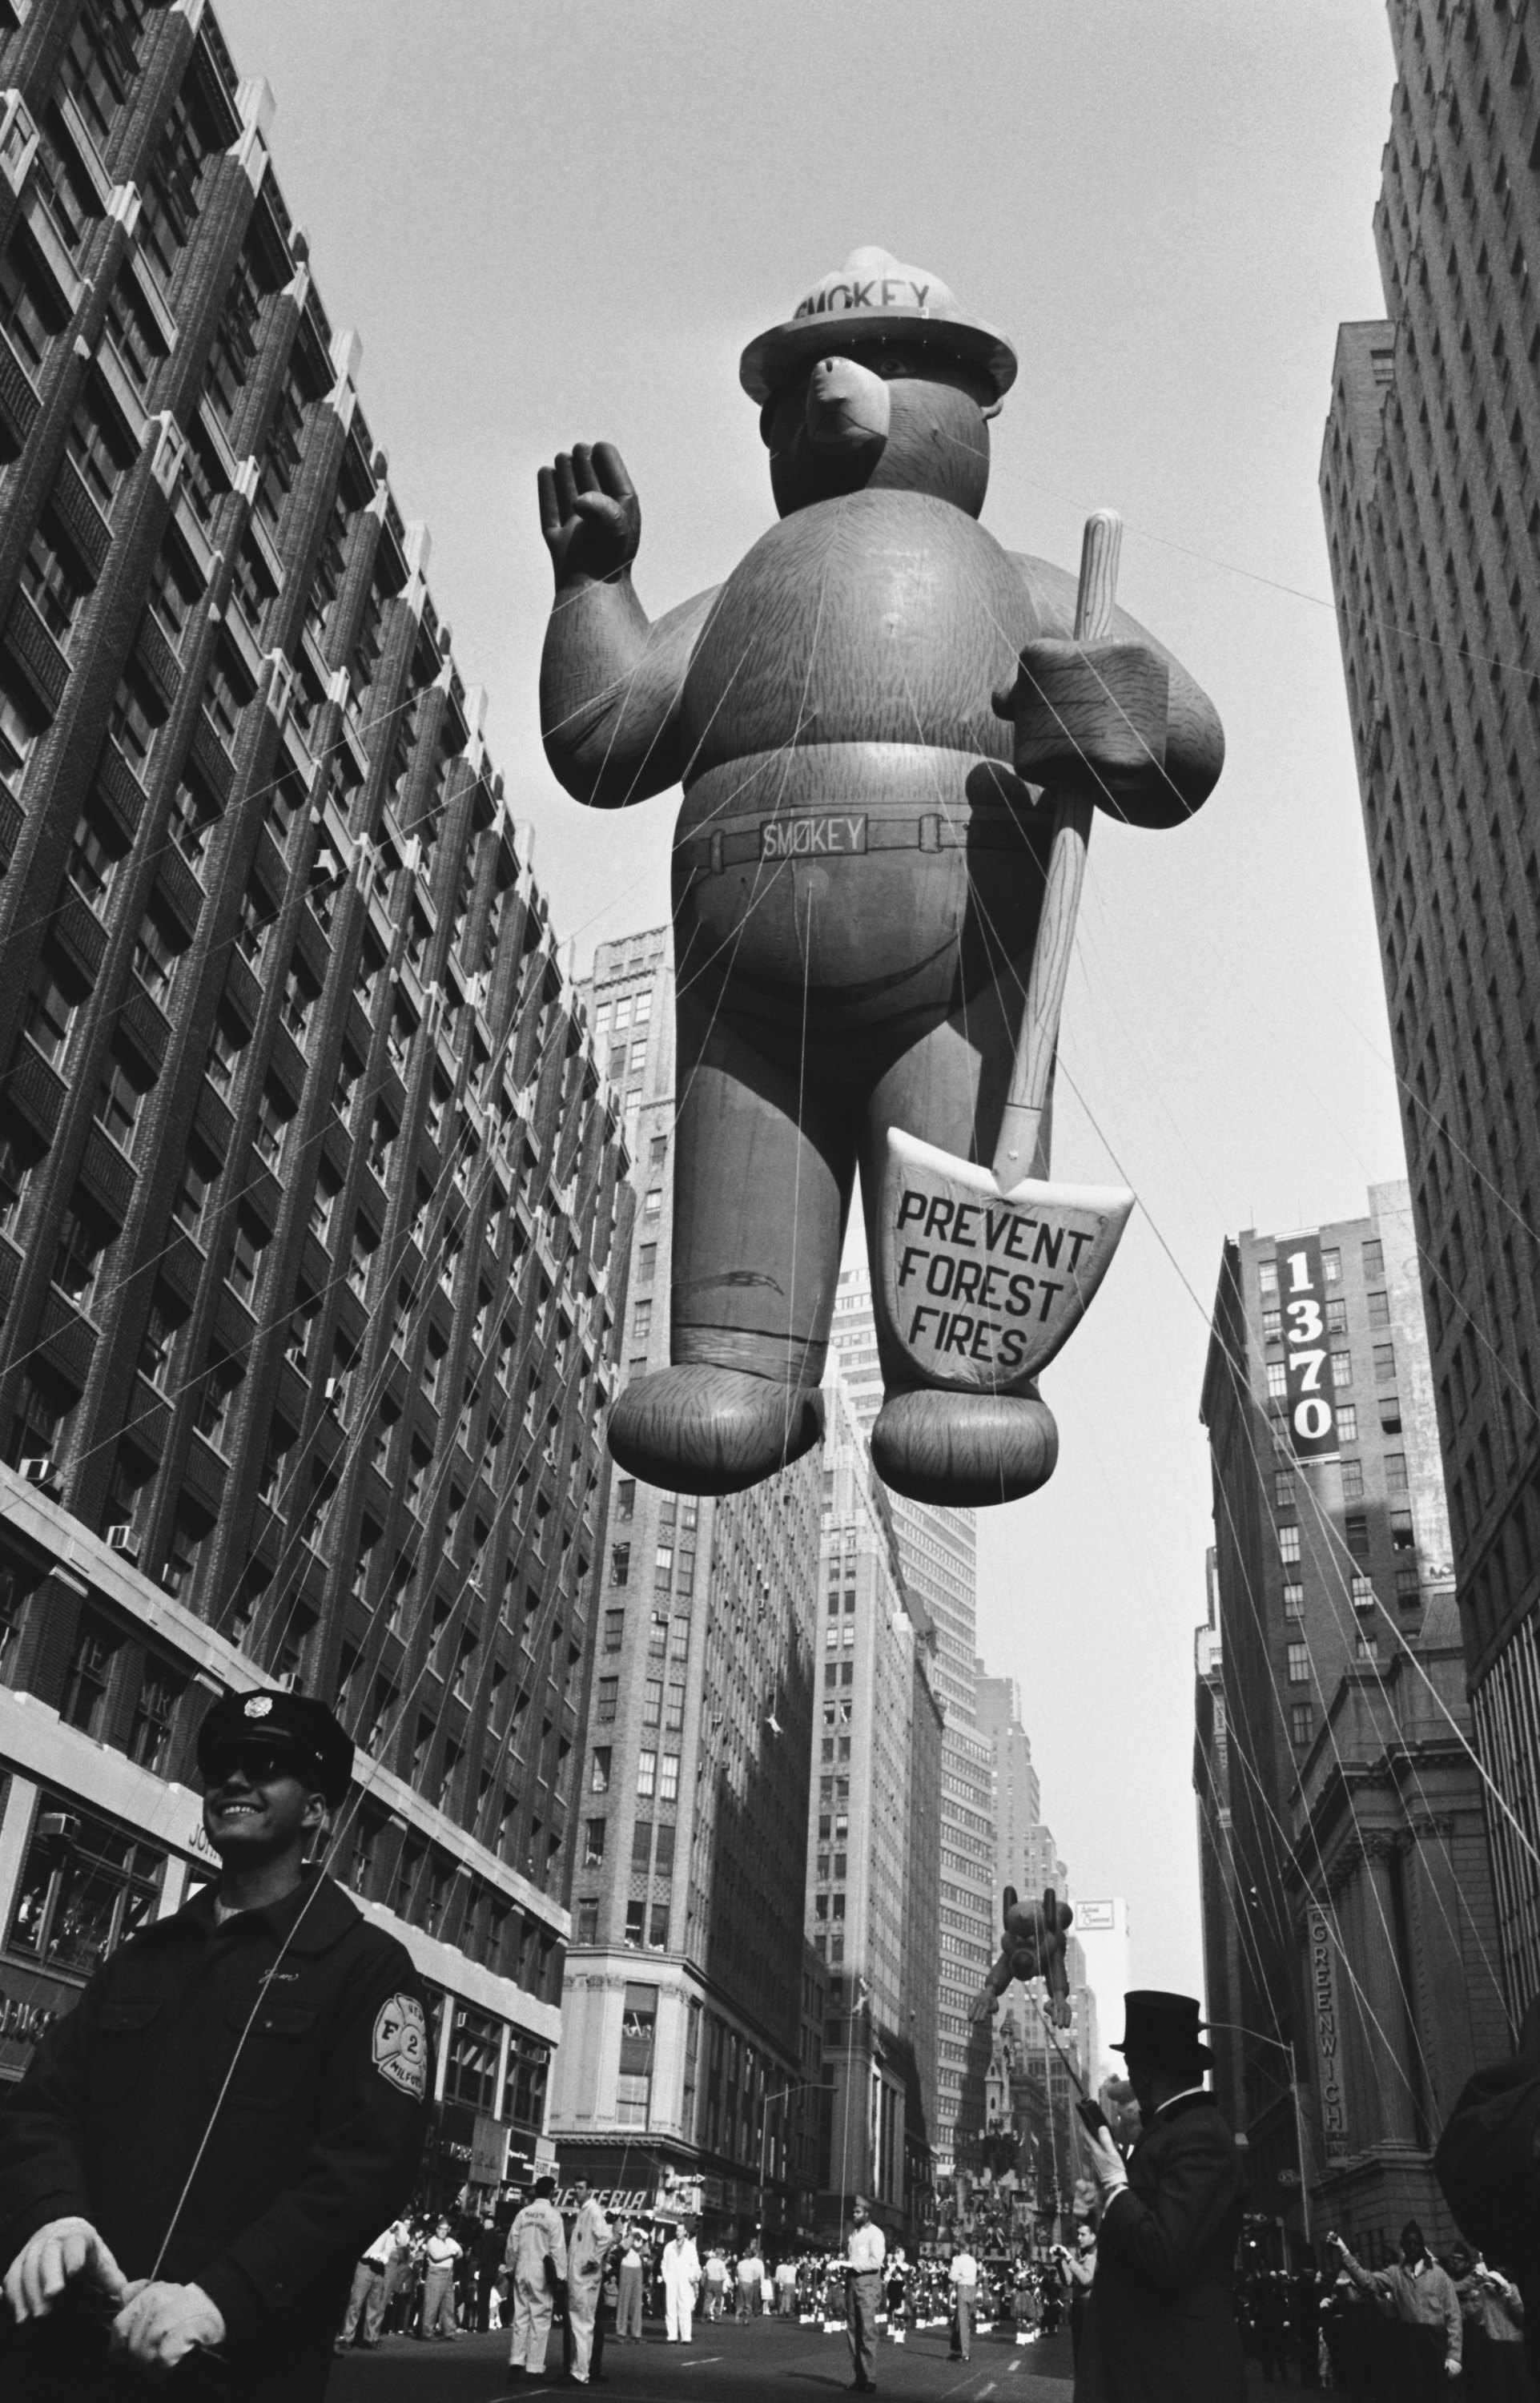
(965, 1450)
(702, 1430)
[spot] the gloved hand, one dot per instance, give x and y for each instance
(1108, 2166)
(160, 2322)
(64, 2249)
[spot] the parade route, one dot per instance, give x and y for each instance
(726, 2364)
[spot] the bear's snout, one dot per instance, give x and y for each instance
(849, 409)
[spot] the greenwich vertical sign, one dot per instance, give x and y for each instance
(1328, 2033)
(1307, 1354)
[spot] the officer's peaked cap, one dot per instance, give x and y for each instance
(281, 1722)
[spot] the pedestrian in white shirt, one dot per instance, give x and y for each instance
(785, 2287)
(964, 2302)
(628, 2308)
(681, 2277)
(716, 2282)
(537, 2253)
(864, 2253)
(751, 2272)
(368, 2298)
(439, 2255)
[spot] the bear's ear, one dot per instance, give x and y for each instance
(1009, 1903)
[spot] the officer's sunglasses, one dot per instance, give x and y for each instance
(259, 1763)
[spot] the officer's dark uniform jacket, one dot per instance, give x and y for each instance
(313, 2149)
(1161, 2322)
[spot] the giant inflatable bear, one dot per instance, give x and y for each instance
(857, 869)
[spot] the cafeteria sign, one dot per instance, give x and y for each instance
(1307, 1354)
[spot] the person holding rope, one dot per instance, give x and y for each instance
(199, 2155)
(1160, 2325)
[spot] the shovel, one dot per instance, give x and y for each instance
(986, 1272)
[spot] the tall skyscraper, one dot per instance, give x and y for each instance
(938, 1559)
(1018, 1797)
(1428, 482)
(683, 2013)
(306, 1178)
(874, 1849)
(1348, 1907)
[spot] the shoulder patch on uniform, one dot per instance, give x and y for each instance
(401, 2045)
(258, 1706)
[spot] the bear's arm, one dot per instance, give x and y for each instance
(1195, 740)
(610, 688)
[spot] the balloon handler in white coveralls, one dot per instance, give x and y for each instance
(681, 2277)
(591, 2238)
(536, 2255)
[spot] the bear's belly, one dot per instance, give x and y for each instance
(853, 842)
(854, 882)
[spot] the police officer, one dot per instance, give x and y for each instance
(200, 2155)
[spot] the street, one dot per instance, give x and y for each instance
(726, 2364)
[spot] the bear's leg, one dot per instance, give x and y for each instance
(764, 1162)
(948, 1088)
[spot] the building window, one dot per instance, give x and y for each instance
(52, 999)
(1341, 1371)
(150, 1739)
(84, 1705)
(608, 1689)
(1352, 1479)
(1407, 1588)
(1298, 1664)
(587, 1920)
(1379, 1309)
(1362, 1591)
(1278, 1381)
(668, 1779)
(1367, 1647)
(1395, 1472)
(1390, 1413)
(1337, 1317)
(1401, 1534)
(599, 1775)
(1288, 1543)
(84, 1241)
(1294, 1601)
(641, 1322)
(1384, 1364)
(1302, 1722)
(658, 1929)
(1272, 1325)
(652, 1702)
(1267, 1276)
(1347, 1422)
(1282, 1488)
(620, 1564)
(635, 1923)
(1356, 1529)
(1331, 1267)
(85, 1885)
(653, 1202)
(615, 1626)
(647, 1775)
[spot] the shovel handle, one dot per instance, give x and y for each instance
(1015, 1151)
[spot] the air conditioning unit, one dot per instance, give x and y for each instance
(333, 1389)
(39, 1470)
(120, 1539)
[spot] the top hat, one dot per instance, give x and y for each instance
(281, 1722)
(872, 299)
(1162, 2030)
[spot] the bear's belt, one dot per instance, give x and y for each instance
(848, 834)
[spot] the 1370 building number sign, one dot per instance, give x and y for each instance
(1307, 1353)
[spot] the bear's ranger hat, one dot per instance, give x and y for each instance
(873, 297)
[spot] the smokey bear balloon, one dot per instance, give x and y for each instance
(858, 870)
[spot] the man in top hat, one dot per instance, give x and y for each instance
(201, 2153)
(1160, 2321)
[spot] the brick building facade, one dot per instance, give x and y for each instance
(309, 1177)
(1428, 483)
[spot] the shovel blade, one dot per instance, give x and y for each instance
(982, 1287)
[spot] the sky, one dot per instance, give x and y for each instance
(557, 222)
